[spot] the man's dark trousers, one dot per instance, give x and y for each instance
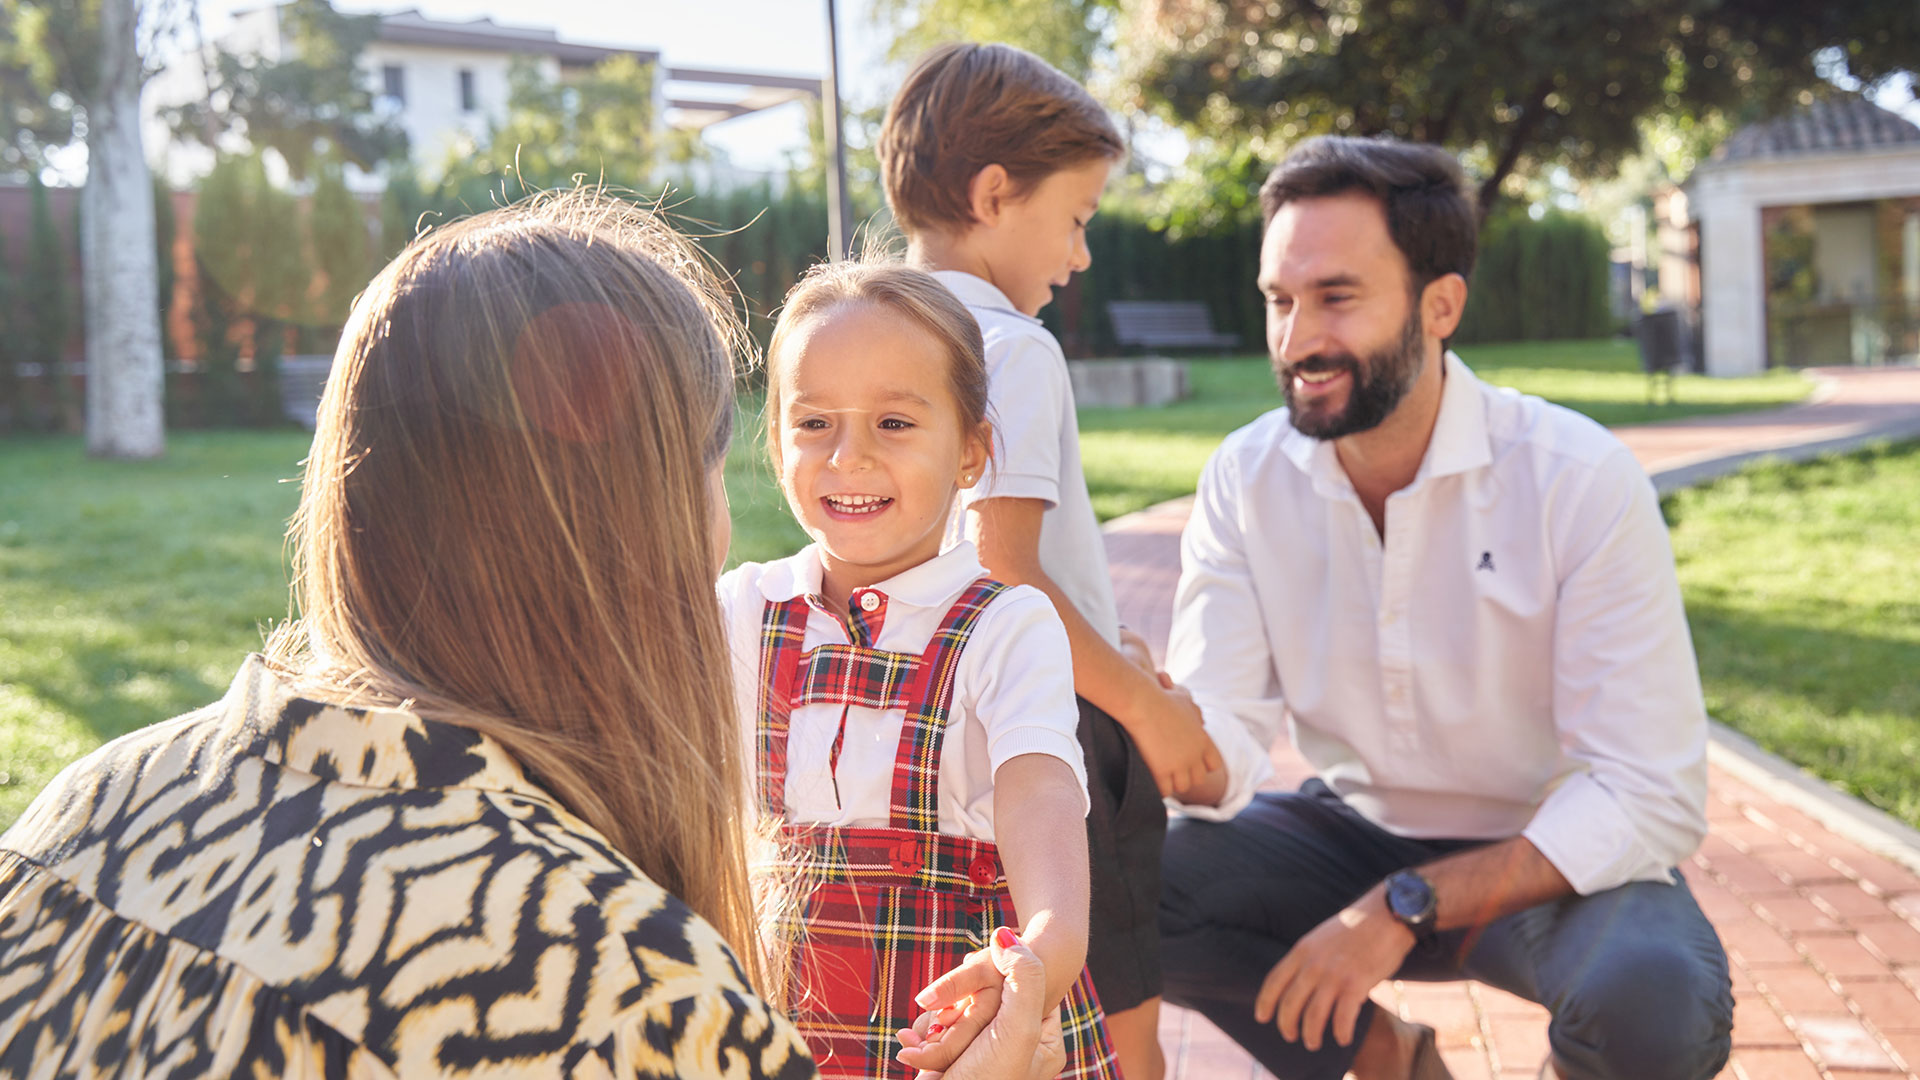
(1635, 977)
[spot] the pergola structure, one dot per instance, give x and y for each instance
(1847, 150)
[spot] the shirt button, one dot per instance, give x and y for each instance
(869, 601)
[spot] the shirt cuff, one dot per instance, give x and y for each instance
(1012, 743)
(1248, 766)
(999, 485)
(1585, 834)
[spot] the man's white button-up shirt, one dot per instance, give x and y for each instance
(1512, 658)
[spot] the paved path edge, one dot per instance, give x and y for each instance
(1843, 814)
(1675, 477)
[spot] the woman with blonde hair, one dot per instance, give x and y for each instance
(478, 810)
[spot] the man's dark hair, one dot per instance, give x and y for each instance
(1430, 211)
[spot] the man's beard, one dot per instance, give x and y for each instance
(1389, 374)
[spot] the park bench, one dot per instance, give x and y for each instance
(1166, 324)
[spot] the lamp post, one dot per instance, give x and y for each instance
(839, 210)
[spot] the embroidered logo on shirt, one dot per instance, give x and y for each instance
(1486, 561)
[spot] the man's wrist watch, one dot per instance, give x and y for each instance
(1410, 899)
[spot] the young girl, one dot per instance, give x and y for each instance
(913, 720)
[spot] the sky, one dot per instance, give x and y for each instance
(785, 37)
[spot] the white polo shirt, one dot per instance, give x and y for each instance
(1037, 448)
(1512, 659)
(1013, 689)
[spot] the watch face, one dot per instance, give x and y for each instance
(1409, 898)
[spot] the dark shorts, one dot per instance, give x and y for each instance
(1126, 828)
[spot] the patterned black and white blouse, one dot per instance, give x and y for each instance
(273, 886)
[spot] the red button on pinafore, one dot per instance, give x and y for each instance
(906, 857)
(983, 871)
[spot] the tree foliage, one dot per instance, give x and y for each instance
(166, 228)
(1069, 34)
(337, 232)
(312, 105)
(224, 257)
(1514, 85)
(47, 305)
(50, 70)
(599, 124)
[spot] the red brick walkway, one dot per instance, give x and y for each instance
(1822, 934)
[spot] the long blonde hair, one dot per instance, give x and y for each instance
(505, 523)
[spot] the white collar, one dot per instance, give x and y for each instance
(933, 583)
(976, 291)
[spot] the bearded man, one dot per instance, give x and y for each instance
(1460, 603)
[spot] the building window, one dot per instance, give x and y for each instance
(466, 90)
(393, 80)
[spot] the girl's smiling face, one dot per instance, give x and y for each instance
(872, 447)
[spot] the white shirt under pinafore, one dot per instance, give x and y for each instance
(1013, 691)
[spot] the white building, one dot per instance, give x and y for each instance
(446, 83)
(1809, 240)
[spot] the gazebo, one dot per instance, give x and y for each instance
(1809, 233)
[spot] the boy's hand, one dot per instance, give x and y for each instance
(1134, 648)
(1174, 742)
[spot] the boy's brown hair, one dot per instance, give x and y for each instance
(968, 106)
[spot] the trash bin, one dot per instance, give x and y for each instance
(1661, 335)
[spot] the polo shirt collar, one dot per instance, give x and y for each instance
(366, 747)
(933, 583)
(979, 292)
(1459, 443)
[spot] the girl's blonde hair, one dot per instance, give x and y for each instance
(505, 523)
(903, 290)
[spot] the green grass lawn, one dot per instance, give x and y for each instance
(1803, 588)
(130, 592)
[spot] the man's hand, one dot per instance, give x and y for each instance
(1330, 972)
(1173, 741)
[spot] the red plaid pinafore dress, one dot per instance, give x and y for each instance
(882, 912)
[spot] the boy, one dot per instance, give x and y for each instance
(993, 163)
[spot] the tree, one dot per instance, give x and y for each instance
(46, 305)
(224, 265)
(125, 373)
(1513, 84)
(12, 402)
(78, 68)
(165, 228)
(1069, 34)
(337, 232)
(311, 106)
(599, 125)
(279, 284)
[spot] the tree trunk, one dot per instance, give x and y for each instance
(124, 370)
(1517, 137)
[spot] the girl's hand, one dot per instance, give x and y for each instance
(1004, 988)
